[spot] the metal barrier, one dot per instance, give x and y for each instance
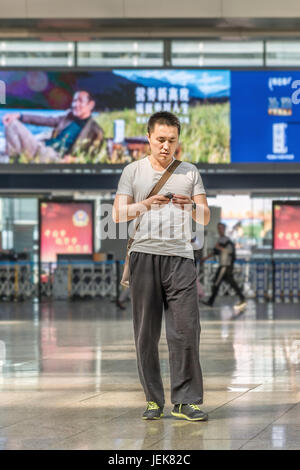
(20, 280)
(286, 281)
(93, 279)
(16, 280)
(261, 279)
(264, 279)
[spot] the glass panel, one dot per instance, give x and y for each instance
(13, 53)
(282, 53)
(19, 218)
(248, 220)
(120, 53)
(216, 53)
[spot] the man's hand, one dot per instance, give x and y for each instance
(68, 159)
(155, 202)
(210, 255)
(182, 202)
(202, 213)
(219, 247)
(10, 117)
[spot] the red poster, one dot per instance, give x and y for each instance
(66, 228)
(286, 227)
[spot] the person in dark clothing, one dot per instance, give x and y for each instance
(225, 249)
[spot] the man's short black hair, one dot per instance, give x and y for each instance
(90, 95)
(163, 117)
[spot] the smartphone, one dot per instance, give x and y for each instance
(169, 195)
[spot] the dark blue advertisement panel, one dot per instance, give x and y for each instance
(265, 117)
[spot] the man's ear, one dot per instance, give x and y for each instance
(148, 137)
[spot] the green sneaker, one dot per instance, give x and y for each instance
(191, 412)
(153, 411)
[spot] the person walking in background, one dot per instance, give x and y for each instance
(225, 249)
(162, 269)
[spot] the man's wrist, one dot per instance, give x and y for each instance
(139, 208)
(147, 204)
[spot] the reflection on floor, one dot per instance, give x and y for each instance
(68, 379)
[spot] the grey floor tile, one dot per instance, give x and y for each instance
(70, 381)
(274, 444)
(201, 444)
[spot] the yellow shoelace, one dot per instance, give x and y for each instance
(152, 405)
(195, 407)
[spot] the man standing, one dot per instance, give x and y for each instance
(162, 270)
(74, 129)
(225, 249)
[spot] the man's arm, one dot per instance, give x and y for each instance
(220, 248)
(216, 251)
(121, 208)
(98, 140)
(125, 209)
(201, 214)
(210, 255)
(34, 119)
(40, 120)
(202, 211)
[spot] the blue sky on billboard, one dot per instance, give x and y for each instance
(201, 83)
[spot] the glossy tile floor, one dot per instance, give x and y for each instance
(68, 379)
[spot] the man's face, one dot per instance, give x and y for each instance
(82, 106)
(163, 142)
(221, 230)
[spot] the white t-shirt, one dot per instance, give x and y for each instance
(165, 231)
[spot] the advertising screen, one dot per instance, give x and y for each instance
(286, 225)
(265, 119)
(65, 228)
(98, 117)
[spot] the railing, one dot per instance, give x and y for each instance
(23, 280)
(17, 280)
(265, 280)
(94, 279)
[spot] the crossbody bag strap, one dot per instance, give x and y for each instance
(164, 178)
(155, 190)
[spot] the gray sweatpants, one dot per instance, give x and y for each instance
(166, 283)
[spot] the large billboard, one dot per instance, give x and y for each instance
(100, 117)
